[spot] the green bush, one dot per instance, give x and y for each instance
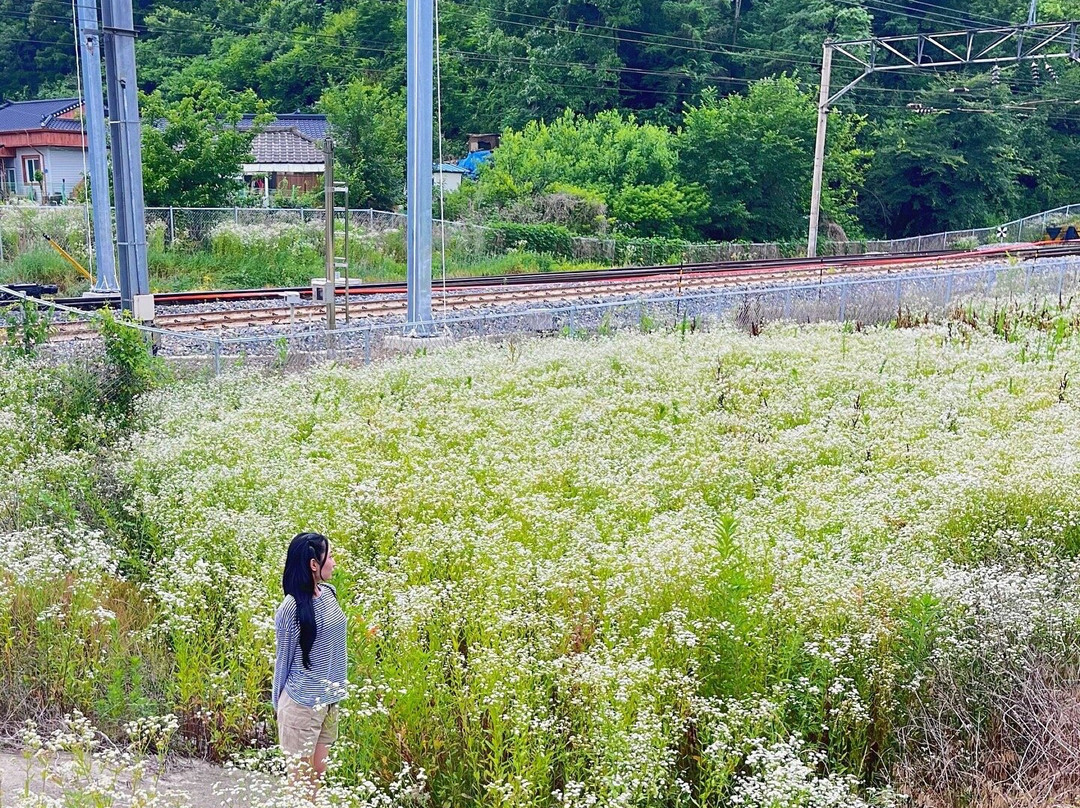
(645, 251)
(130, 370)
(551, 239)
(27, 326)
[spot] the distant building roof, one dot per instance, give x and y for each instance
(448, 168)
(44, 114)
(309, 124)
(483, 141)
(276, 145)
(64, 125)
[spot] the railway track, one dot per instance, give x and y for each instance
(741, 268)
(457, 302)
(465, 294)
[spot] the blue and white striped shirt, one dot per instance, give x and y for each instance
(324, 683)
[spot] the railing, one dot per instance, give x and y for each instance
(866, 300)
(195, 229)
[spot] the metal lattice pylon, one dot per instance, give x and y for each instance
(972, 46)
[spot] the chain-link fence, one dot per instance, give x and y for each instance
(381, 233)
(868, 300)
(1030, 228)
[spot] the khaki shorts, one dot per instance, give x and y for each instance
(300, 728)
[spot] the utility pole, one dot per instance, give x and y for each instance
(119, 29)
(420, 39)
(94, 124)
(330, 290)
(819, 151)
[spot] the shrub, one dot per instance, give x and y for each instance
(552, 239)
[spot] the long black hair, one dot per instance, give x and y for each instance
(296, 581)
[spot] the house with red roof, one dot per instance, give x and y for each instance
(42, 147)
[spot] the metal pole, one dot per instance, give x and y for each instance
(345, 251)
(819, 150)
(420, 38)
(119, 46)
(94, 121)
(328, 228)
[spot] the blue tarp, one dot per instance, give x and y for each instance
(473, 160)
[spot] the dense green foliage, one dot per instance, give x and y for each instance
(192, 153)
(678, 118)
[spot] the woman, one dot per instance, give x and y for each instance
(311, 664)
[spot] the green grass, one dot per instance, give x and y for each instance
(645, 564)
(178, 271)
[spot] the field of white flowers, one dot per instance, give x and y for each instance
(815, 567)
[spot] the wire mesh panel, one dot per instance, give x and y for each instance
(911, 297)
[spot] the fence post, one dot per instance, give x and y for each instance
(303, 215)
(898, 295)
(172, 226)
(371, 218)
(1061, 279)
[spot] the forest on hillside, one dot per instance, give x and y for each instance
(684, 118)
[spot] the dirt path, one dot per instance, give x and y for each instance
(186, 783)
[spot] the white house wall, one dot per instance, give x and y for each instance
(63, 168)
(22, 187)
(449, 181)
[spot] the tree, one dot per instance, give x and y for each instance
(368, 124)
(631, 165)
(754, 155)
(780, 34)
(37, 49)
(192, 152)
(950, 170)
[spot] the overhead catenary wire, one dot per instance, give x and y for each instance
(495, 58)
(615, 69)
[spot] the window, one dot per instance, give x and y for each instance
(9, 175)
(31, 168)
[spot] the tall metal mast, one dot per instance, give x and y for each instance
(420, 39)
